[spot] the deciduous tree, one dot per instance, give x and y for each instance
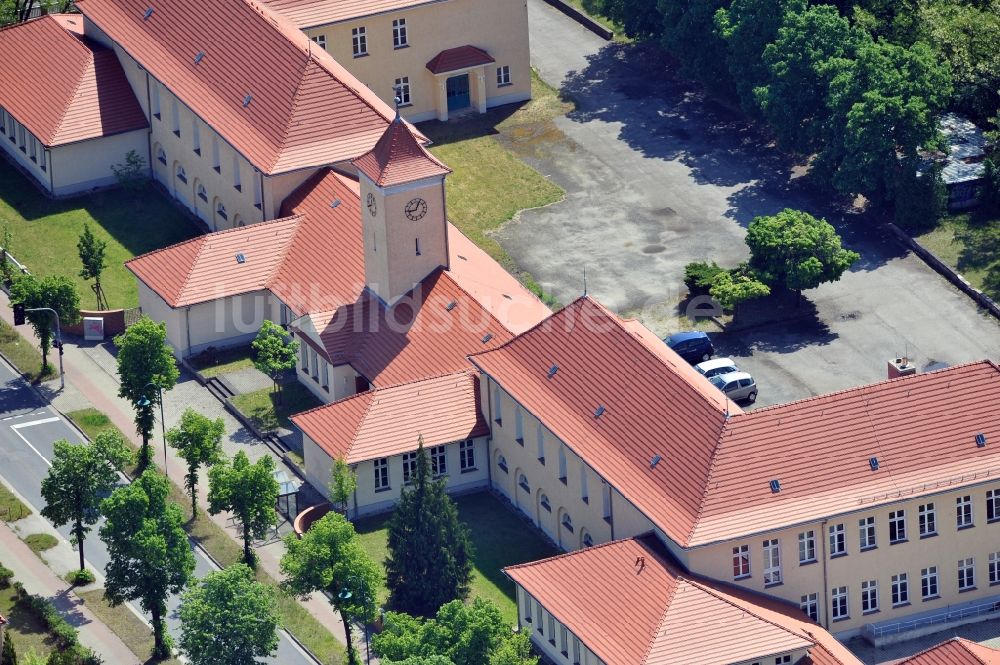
(329, 558)
(228, 618)
(430, 551)
(80, 476)
(54, 292)
(144, 358)
(274, 352)
(343, 482)
(198, 441)
(473, 634)
(249, 492)
(149, 550)
(91, 251)
(796, 251)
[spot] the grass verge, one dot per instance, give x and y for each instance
(23, 355)
(969, 243)
(500, 538)
(129, 628)
(267, 413)
(26, 628)
(222, 362)
(45, 231)
(39, 542)
(210, 536)
(593, 10)
(11, 508)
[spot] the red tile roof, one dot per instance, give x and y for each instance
(921, 429)
(460, 57)
(62, 87)
(305, 109)
(631, 606)
(391, 421)
(419, 336)
(956, 651)
(314, 13)
(656, 405)
(398, 158)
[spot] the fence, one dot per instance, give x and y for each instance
(876, 633)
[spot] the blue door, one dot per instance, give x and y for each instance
(458, 92)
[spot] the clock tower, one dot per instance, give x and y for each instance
(403, 212)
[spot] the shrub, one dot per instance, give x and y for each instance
(920, 198)
(64, 634)
(989, 194)
(991, 281)
(5, 575)
(80, 577)
(698, 276)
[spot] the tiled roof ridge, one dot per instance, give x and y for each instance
(593, 548)
(303, 219)
(712, 592)
(918, 376)
(663, 619)
(961, 641)
(324, 62)
(458, 285)
(87, 62)
(510, 341)
(708, 482)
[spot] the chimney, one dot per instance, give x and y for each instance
(901, 367)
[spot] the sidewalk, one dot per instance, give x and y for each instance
(38, 579)
(91, 381)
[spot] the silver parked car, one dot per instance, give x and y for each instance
(738, 386)
(710, 368)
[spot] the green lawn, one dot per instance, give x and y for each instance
(27, 629)
(968, 243)
(222, 362)
(500, 538)
(39, 542)
(45, 231)
(592, 9)
(124, 623)
(267, 413)
(25, 356)
(11, 508)
(91, 421)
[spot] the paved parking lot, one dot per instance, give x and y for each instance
(657, 176)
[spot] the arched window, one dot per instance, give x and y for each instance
(220, 210)
(585, 539)
(161, 155)
(202, 193)
(181, 173)
(522, 482)
(502, 463)
(544, 502)
(238, 221)
(567, 522)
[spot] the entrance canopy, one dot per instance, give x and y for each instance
(455, 59)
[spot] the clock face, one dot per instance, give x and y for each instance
(415, 209)
(371, 204)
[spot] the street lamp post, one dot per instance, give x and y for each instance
(144, 402)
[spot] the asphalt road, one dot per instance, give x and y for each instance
(658, 175)
(28, 430)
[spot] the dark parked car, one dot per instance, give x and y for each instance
(693, 347)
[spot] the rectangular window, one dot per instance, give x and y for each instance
(839, 604)
(838, 540)
(900, 590)
(783, 660)
(31, 148)
(963, 512)
(20, 137)
(807, 547)
(359, 41)
(927, 520)
(929, 583)
(237, 181)
(196, 136)
(897, 526)
(562, 463)
(216, 164)
(527, 606)
(257, 193)
(497, 408)
(869, 596)
(314, 364)
(399, 39)
(584, 494)
(866, 531)
(154, 98)
(966, 574)
(439, 461)
(381, 474)
(320, 41)
(552, 629)
(41, 157)
(576, 650)
(741, 562)
(540, 438)
(538, 617)
(401, 87)
(563, 640)
(810, 605)
(409, 467)
(175, 113)
(467, 455)
(994, 567)
(606, 501)
(518, 424)
(772, 562)
(324, 375)
(303, 358)
(992, 505)
(503, 75)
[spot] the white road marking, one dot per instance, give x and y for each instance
(32, 423)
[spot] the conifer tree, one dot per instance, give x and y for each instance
(430, 551)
